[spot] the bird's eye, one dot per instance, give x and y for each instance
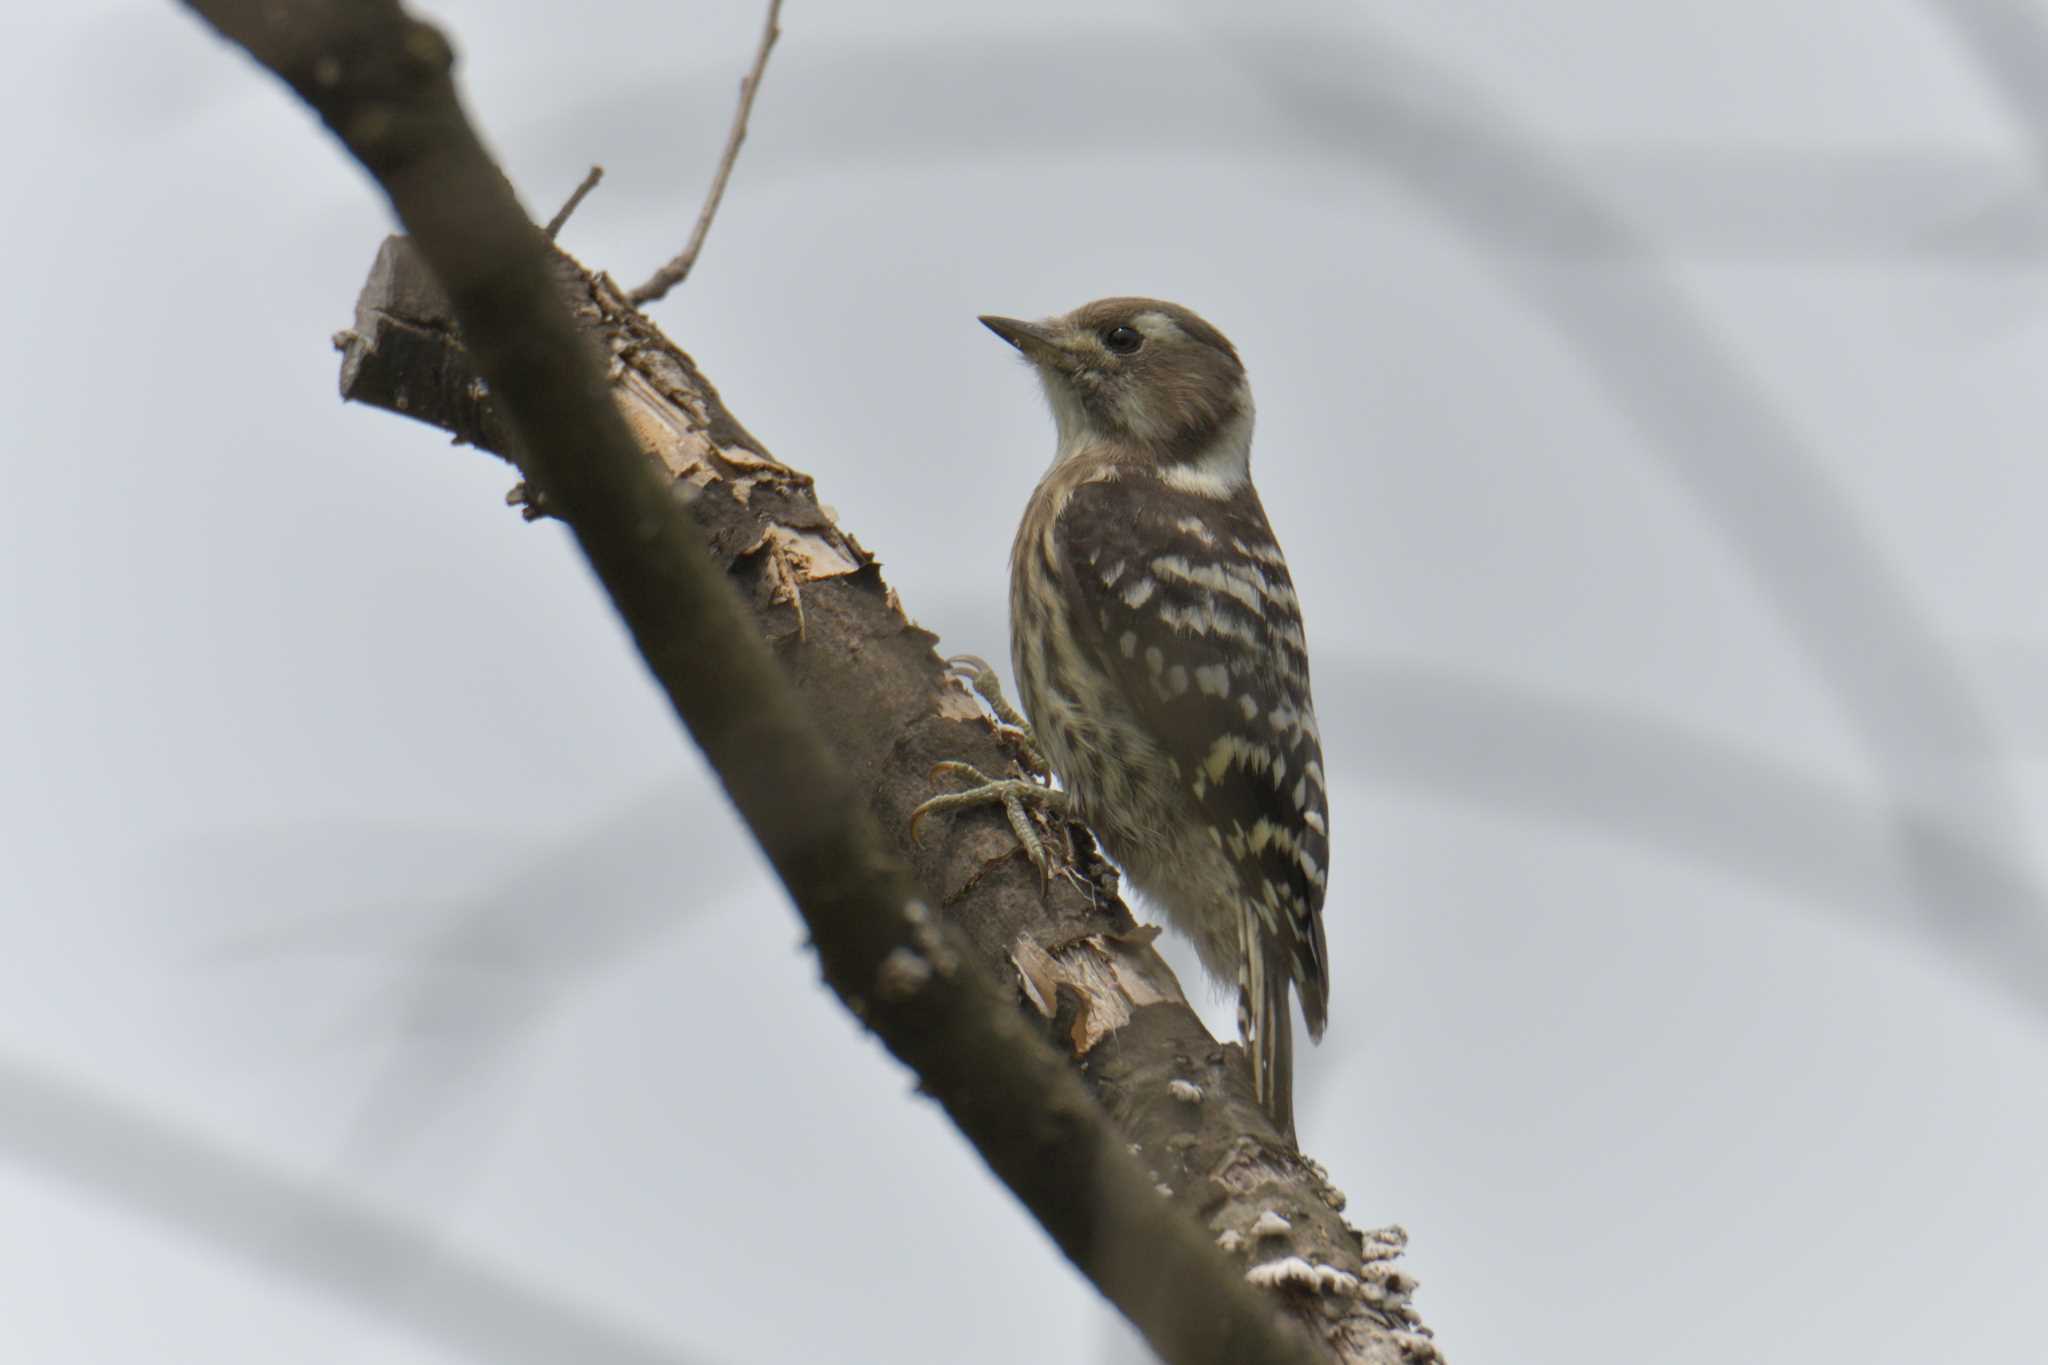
(1122, 339)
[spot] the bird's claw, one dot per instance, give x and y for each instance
(1010, 725)
(1017, 796)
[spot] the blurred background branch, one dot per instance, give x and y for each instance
(291, 1227)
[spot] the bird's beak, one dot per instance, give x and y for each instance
(1034, 339)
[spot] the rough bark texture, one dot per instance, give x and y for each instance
(1079, 965)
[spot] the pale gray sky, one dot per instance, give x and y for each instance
(1651, 403)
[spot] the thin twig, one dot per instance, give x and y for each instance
(673, 274)
(554, 227)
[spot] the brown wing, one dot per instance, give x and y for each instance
(1189, 605)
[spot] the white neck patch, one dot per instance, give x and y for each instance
(1224, 466)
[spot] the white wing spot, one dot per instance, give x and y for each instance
(1230, 750)
(1264, 551)
(1212, 577)
(1206, 620)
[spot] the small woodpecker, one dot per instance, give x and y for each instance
(1158, 648)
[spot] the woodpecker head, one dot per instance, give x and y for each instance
(1147, 380)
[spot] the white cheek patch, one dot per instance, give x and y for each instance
(1069, 417)
(1139, 416)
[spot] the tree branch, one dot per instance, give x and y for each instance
(677, 270)
(583, 436)
(569, 206)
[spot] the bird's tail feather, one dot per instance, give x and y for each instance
(1265, 1022)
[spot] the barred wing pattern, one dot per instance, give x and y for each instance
(1185, 602)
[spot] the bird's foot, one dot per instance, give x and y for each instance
(1011, 728)
(1028, 804)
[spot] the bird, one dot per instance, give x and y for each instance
(1158, 649)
